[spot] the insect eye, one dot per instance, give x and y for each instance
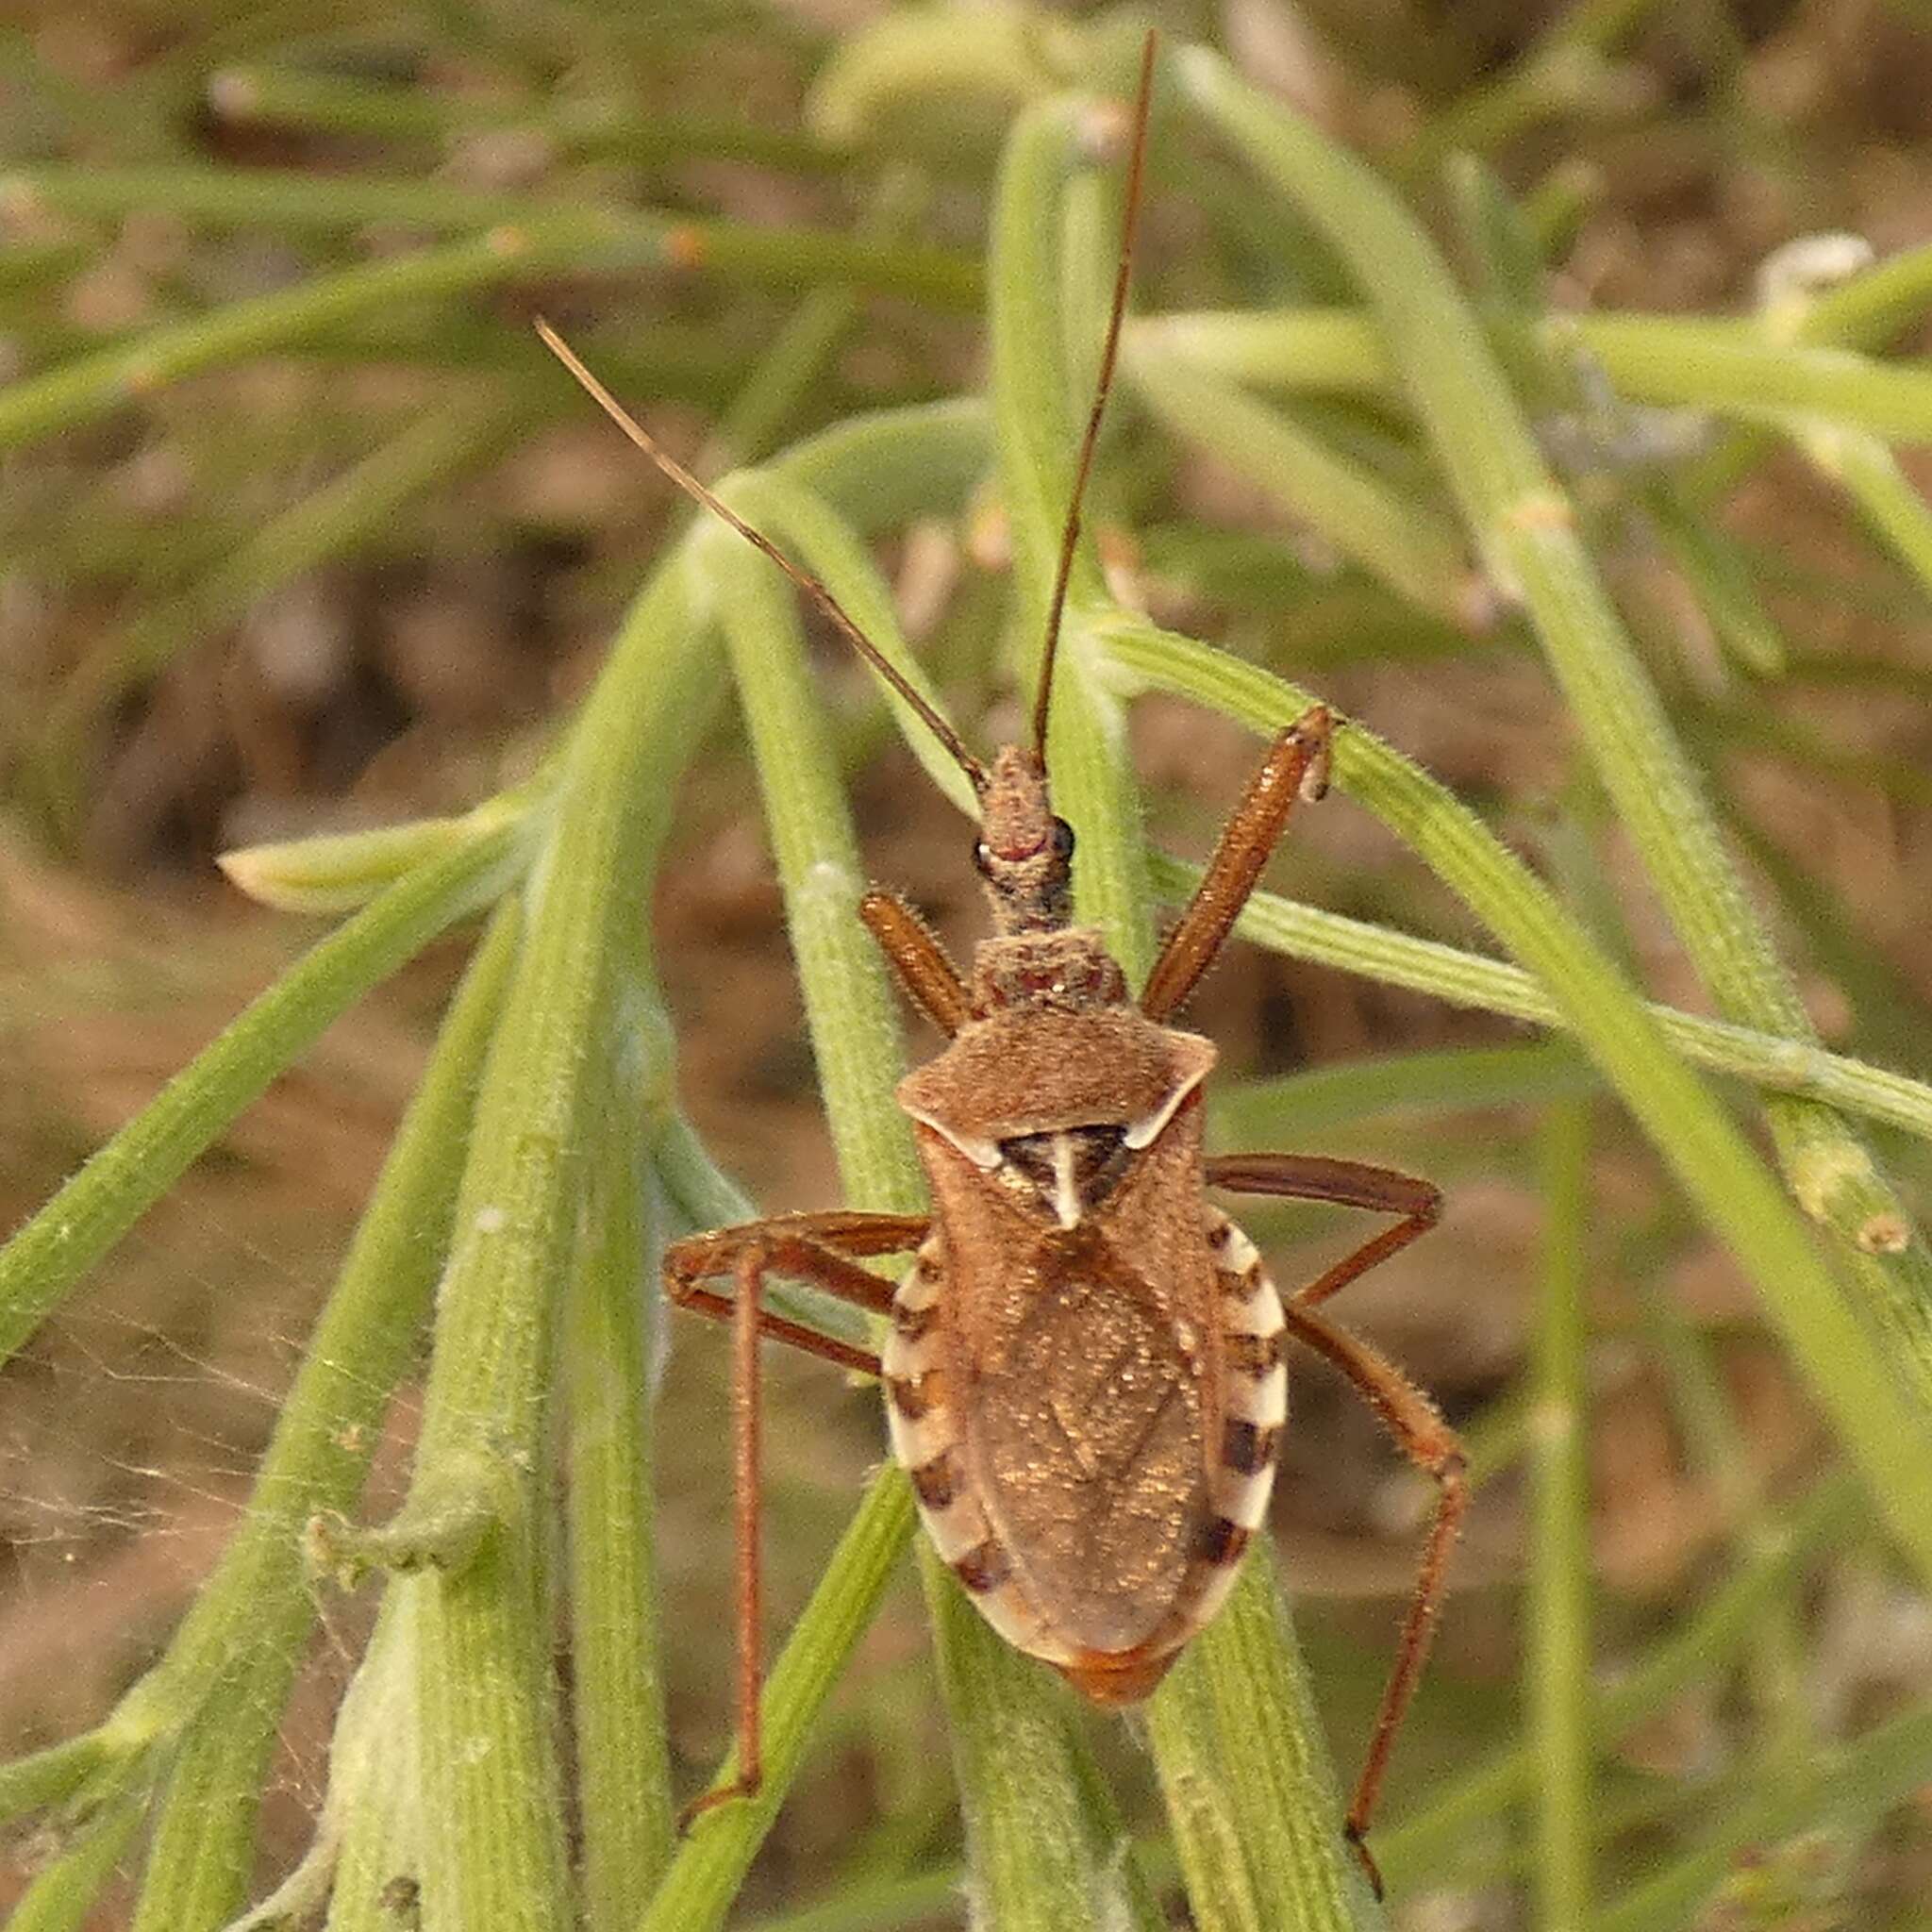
(982, 859)
(1062, 838)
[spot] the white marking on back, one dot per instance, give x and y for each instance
(1267, 1408)
(1066, 1195)
(919, 1289)
(1238, 1253)
(981, 1153)
(1243, 1499)
(1145, 1131)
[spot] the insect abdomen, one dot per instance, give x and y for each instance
(1235, 1450)
(925, 1438)
(1254, 1408)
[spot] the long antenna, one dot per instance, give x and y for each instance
(1070, 536)
(811, 584)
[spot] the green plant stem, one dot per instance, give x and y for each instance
(1867, 310)
(878, 468)
(1667, 361)
(1273, 1786)
(1713, 365)
(1321, 1099)
(1214, 1868)
(1037, 419)
(1033, 1868)
(494, 1849)
(1423, 1845)
(1022, 1804)
(375, 1806)
(827, 544)
(1889, 1011)
(853, 1034)
(122, 1179)
(700, 1196)
(880, 1905)
(339, 872)
(88, 387)
(848, 1000)
(374, 1783)
(228, 1671)
(63, 1892)
(1885, 497)
(1127, 1895)
(561, 230)
(1393, 537)
(1494, 985)
(1527, 530)
(711, 1864)
(885, 1905)
(627, 1821)
(578, 127)
(1557, 1610)
(1742, 1203)
(102, 1757)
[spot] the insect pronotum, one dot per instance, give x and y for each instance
(1083, 1370)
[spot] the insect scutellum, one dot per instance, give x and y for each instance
(1083, 1366)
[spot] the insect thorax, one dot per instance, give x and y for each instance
(1070, 971)
(1058, 1080)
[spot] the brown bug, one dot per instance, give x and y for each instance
(1084, 1371)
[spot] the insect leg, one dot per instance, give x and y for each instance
(1296, 767)
(805, 1247)
(928, 976)
(1348, 1184)
(1408, 1415)
(1428, 1442)
(808, 1247)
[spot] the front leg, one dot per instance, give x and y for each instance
(1296, 767)
(1404, 1411)
(806, 1247)
(925, 972)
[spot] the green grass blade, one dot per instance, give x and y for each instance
(1392, 536)
(494, 1850)
(1556, 1612)
(626, 1820)
(227, 1674)
(123, 1178)
(705, 1876)
(1469, 979)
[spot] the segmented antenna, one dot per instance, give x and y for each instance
(1070, 536)
(811, 584)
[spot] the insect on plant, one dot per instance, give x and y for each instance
(1083, 1371)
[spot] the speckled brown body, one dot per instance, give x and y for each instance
(1081, 1338)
